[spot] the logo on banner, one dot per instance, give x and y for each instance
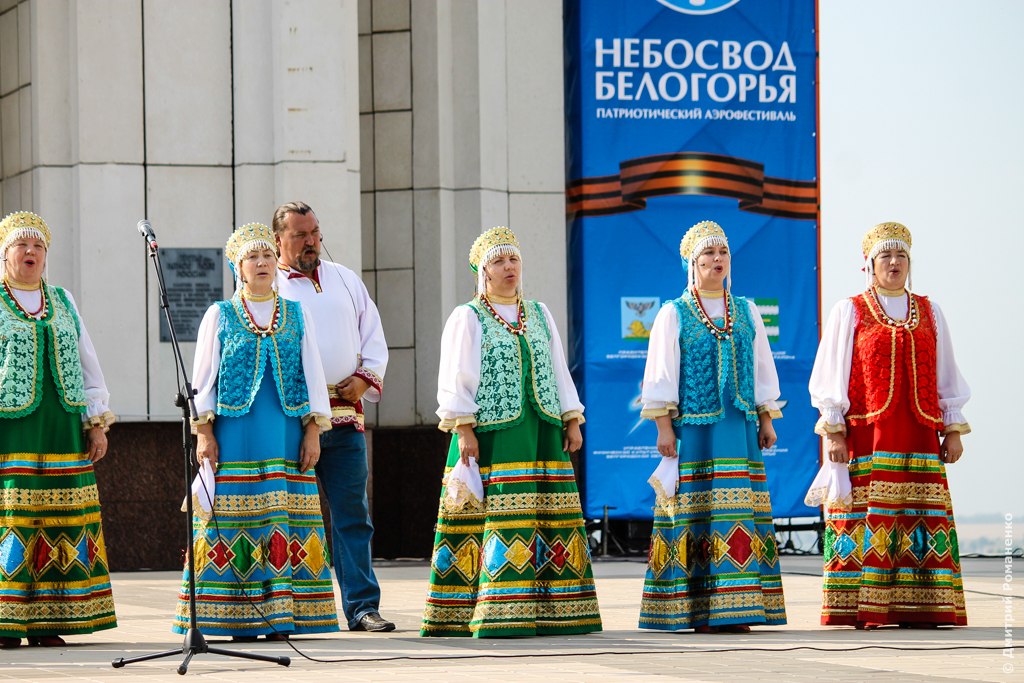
(769, 310)
(698, 6)
(638, 315)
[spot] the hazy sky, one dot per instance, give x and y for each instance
(921, 111)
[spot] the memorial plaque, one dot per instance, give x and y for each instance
(195, 280)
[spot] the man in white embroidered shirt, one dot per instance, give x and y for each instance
(354, 355)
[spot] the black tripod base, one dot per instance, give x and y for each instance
(195, 644)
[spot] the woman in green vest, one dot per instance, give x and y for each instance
(515, 563)
(53, 423)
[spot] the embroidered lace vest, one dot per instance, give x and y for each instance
(514, 369)
(709, 366)
(22, 355)
(885, 355)
(244, 355)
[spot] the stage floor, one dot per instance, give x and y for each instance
(145, 603)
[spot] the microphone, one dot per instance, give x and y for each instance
(146, 230)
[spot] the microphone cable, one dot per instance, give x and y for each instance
(241, 584)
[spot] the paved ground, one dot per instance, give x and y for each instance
(145, 603)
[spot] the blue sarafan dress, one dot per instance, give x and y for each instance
(713, 557)
(258, 377)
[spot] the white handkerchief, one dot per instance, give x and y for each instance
(203, 493)
(665, 480)
(464, 487)
(831, 487)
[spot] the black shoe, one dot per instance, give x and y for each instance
(46, 641)
(372, 621)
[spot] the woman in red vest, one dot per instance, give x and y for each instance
(887, 386)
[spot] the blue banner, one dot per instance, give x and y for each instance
(681, 111)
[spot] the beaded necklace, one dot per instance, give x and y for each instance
(250, 322)
(723, 333)
(21, 309)
(908, 323)
(519, 328)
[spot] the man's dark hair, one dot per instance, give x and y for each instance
(301, 208)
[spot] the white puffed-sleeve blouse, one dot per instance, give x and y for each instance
(207, 364)
(660, 394)
(458, 376)
(830, 378)
(97, 413)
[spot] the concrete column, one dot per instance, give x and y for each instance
(188, 150)
(488, 150)
(80, 141)
(386, 133)
(536, 150)
(316, 138)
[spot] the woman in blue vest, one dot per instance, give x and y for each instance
(53, 419)
(710, 383)
(262, 403)
(515, 563)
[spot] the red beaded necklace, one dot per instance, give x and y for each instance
(261, 330)
(721, 333)
(22, 309)
(519, 328)
(909, 323)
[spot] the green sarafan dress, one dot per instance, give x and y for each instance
(53, 563)
(517, 563)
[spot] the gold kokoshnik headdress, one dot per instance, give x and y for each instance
(20, 225)
(883, 237)
(698, 238)
(245, 240)
(488, 246)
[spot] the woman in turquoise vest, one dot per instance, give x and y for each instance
(53, 419)
(515, 563)
(710, 383)
(262, 403)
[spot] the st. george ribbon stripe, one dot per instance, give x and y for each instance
(695, 173)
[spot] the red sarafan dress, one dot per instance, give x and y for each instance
(885, 374)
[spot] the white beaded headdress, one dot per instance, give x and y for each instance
(19, 225)
(245, 240)
(698, 238)
(883, 237)
(491, 244)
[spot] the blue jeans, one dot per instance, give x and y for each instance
(342, 471)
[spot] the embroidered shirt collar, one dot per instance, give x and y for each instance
(292, 274)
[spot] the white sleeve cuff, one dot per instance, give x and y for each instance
(833, 416)
(955, 416)
(656, 409)
(770, 407)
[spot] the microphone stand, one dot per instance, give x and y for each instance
(195, 643)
